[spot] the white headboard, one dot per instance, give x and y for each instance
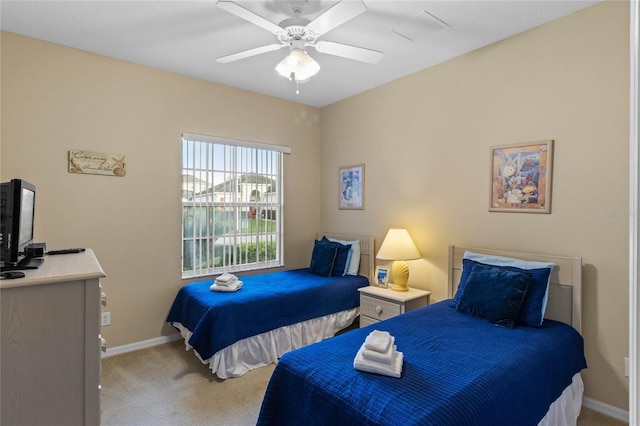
(565, 288)
(367, 251)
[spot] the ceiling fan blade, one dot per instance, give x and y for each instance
(248, 53)
(350, 52)
(337, 15)
(249, 16)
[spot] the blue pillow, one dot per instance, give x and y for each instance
(535, 301)
(495, 294)
(323, 258)
(341, 265)
(353, 262)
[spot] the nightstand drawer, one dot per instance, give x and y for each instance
(377, 308)
(365, 321)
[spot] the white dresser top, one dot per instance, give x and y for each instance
(60, 268)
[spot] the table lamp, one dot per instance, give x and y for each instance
(398, 246)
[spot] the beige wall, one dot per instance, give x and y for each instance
(56, 98)
(425, 141)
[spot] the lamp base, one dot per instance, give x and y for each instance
(400, 274)
(396, 287)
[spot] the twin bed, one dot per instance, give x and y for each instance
(273, 313)
(458, 369)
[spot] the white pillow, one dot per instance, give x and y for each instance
(354, 252)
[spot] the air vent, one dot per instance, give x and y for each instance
(420, 26)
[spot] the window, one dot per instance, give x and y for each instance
(231, 205)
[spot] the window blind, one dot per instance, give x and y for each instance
(232, 205)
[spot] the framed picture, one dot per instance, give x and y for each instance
(382, 276)
(97, 163)
(521, 177)
(351, 187)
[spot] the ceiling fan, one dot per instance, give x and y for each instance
(298, 33)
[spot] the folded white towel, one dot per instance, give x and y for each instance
(379, 341)
(232, 282)
(393, 370)
(235, 287)
(226, 277)
(382, 357)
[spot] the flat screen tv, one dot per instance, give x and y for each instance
(17, 208)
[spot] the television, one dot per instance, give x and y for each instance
(17, 208)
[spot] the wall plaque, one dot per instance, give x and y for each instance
(97, 163)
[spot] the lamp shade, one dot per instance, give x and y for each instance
(398, 245)
(298, 66)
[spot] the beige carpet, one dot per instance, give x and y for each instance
(165, 385)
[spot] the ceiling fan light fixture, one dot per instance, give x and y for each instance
(298, 66)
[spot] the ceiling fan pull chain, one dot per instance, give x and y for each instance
(297, 87)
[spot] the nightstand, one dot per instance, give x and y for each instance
(377, 303)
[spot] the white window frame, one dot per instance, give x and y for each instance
(231, 184)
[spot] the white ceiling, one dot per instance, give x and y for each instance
(186, 37)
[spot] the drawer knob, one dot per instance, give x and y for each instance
(379, 310)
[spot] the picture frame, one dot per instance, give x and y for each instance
(351, 187)
(521, 176)
(382, 276)
(96, 163)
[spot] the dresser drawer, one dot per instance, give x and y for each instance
(377, 308)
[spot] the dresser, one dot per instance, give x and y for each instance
(50, 353)
(377, 303)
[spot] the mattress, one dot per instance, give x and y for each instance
(458, 370)
(216, 320)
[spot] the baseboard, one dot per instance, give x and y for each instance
(606, 409)
(117, 350)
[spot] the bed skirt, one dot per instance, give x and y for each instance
(565, 410)
(266, 348)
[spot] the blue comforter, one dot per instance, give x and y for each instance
(458, 370)
(265, 302)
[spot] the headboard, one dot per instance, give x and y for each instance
(565, 288)
(367, 251)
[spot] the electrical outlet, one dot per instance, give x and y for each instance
(626, 367)
(106, 319)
